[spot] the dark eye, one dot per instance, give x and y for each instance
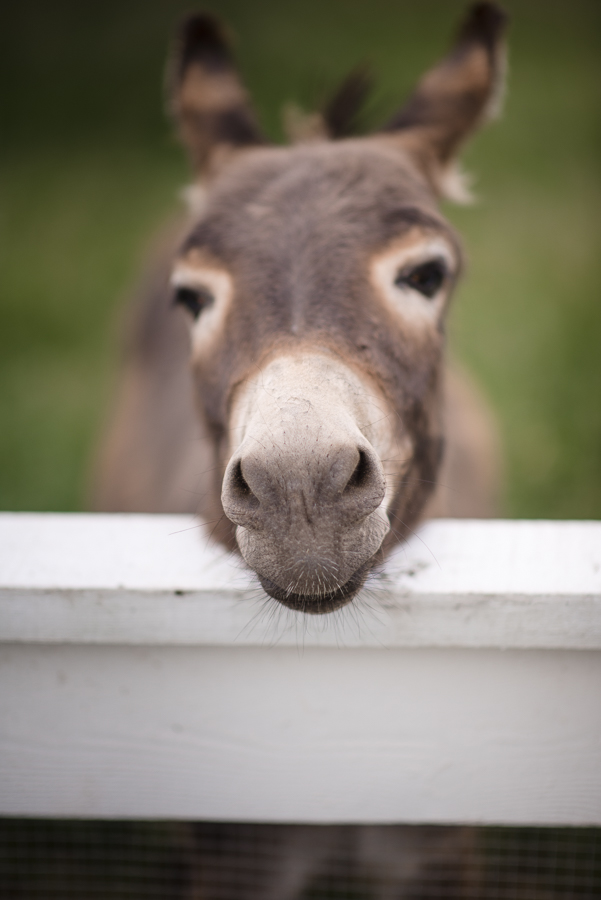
(426, 278)
(194, 299)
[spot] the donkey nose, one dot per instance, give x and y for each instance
(264, 490)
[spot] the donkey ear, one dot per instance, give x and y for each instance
(454, 98)
(207, 99)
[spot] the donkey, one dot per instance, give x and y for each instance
(312, 284)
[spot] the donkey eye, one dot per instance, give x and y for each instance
(426, 278)
(194, 299)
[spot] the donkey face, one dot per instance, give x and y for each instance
(316, 279)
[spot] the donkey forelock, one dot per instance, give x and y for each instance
(317, 279)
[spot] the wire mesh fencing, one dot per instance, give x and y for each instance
(48, 859)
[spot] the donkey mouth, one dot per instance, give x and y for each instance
(319, 604)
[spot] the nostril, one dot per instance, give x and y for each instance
(365, 489)
(240, 503)
(361, 473)
(238, 483)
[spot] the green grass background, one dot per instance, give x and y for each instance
(89, 171)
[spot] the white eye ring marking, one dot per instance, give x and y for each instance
(215, 282)
(416, 308)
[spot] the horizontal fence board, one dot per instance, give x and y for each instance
(355, 735)
(135, 683)
(155, 579)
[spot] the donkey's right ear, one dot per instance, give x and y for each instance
(207, 99)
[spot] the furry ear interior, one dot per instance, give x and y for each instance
(206, 96)
(454, 98)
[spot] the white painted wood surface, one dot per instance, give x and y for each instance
(155, 580)
(471, 692)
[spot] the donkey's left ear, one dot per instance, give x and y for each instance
(207, 98)
(454, 98)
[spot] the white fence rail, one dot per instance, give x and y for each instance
(142, 675)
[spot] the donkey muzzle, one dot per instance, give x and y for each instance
(308, 522)
(305, 487)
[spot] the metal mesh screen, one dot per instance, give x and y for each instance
(206, 861)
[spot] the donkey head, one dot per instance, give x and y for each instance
(316, 279)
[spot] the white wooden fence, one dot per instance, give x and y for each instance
(142, 675)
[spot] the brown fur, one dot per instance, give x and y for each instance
(296, 233)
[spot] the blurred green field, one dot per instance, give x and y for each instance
(89, 170)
